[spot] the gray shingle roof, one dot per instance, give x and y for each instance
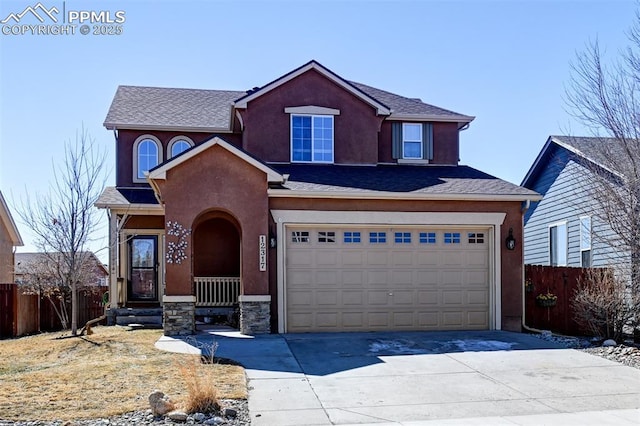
(155, 107)
(112, 196)
(410, 106)
(419, 180)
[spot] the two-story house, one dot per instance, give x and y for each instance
(313, 202)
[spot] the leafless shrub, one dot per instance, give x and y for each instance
(602, 304)
(202, 394)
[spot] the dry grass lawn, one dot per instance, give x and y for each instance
(107, 373)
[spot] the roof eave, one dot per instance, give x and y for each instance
(5, 215)
(129, 126)
(385, 195)
(432, 117)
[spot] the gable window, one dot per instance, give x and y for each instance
(178, 145)
(147, 153)
(412, 141)
(585, 241)
(312, 138)
(558, 244)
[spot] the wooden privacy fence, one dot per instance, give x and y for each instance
(561, 282)
(90, 306)
(18, 312)
(22, 314)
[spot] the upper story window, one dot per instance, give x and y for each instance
(147, 153)
(178, 145)
(312, 138)
(412, 141)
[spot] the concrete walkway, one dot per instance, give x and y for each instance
(423, 378)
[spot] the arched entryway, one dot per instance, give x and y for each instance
(216, 260)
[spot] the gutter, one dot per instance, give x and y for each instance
(524, 209)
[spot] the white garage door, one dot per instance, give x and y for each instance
(369, 279)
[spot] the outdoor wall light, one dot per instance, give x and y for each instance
(510, 241)
(272, 241)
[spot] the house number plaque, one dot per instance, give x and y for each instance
(262, 248)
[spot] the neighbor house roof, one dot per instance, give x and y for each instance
(600, 151)
(23, 261)
(387, 181)
(156, 108)
(7, 220)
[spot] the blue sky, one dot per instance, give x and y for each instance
(504, 62)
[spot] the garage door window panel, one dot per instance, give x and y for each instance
(326, 237)
(402, 238)
(377, 237)
(352, 237)
(300, 237)
(452, 238)
(427, 238)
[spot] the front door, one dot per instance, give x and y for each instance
(143, 268)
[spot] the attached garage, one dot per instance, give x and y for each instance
(402, 276)
(371, 279)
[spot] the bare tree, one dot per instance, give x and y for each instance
(64, 219)
(605, 96)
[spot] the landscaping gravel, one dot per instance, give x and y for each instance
(146, 418)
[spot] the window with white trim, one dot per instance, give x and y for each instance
(585, 241)
(351, 237)
(300, 237)
(475, 237)
(427, 238)
(412, 140)
(452, 238)
(326, 237)
(178, 145)
(312, 138)
(402, 238)
(147, 154)
(558, 244)
(377, 237)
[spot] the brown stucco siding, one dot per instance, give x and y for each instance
(267, 127)
(126, 139)
(6, 255)
(446, 148)
(217, 180)
(511, 261)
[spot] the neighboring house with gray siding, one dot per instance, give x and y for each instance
(563, 228)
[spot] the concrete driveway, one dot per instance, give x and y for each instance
(489, 377)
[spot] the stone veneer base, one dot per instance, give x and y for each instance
(178, 318)
(255, 317)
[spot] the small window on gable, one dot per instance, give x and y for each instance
(427, 238)
(312, 138)
(476, 237)
(300, 236)
(147, 154)
(412, 140)
(326, 237)
(402, 237)
(452, 238)
(178, 145)
(377, 237)
(352, 237)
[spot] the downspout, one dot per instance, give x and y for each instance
(527, 205)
